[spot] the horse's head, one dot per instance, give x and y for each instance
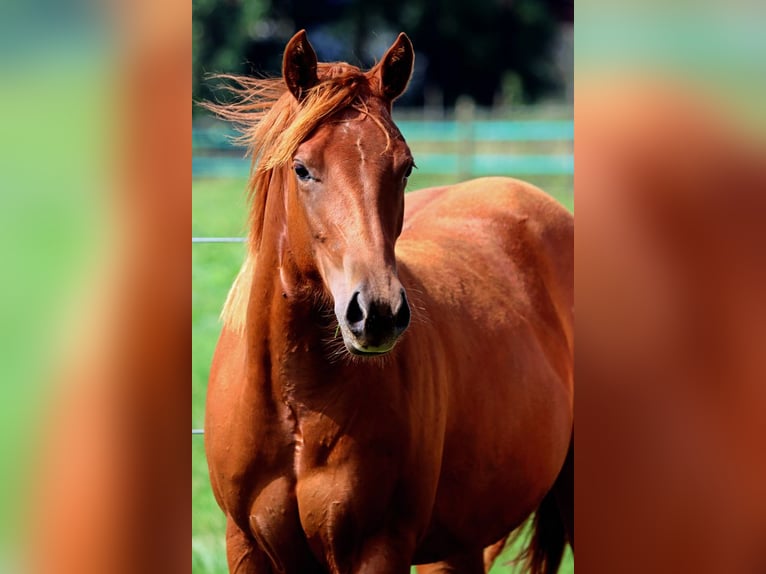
(349, 177)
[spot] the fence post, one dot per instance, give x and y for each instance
(465, 111)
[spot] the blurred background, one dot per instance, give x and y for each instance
(497, 52)
(491, 94)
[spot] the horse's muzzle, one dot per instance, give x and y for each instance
(374, 325)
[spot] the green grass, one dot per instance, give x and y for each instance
(218, 209)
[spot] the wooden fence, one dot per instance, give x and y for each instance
(463, 147)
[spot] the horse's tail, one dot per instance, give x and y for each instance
(553, 523)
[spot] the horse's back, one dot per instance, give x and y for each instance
(486, 196)
(491, 208)
(497, 227)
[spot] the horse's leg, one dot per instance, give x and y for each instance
(467, 563)
(384, 555)
(243, 553)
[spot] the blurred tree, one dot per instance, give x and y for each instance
(470, 47)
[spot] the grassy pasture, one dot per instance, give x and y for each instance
(218, 209)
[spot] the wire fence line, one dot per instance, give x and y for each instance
(470, 144)
(214, 240)
(219, 239)
(200, 432)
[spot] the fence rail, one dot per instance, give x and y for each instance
(415, 131)
(465, 147)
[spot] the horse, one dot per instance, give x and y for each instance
(393, 383)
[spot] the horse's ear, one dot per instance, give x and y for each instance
(299, 66)
(395, 69)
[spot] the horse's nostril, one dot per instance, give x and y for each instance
(376, 322)
(354, 311)
(402, 318)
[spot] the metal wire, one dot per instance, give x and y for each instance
(214, 240)
(219, 239)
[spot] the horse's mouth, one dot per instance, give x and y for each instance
(368, 352)
(355, 347)
(361, 347)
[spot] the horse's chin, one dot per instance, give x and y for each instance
(358, 350)
(365, 353)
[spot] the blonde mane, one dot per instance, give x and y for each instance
(273, 124)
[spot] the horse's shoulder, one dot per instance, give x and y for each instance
(231, 345)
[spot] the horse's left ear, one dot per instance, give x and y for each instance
(395, 69)
(299, 66)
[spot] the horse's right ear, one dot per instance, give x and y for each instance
(299, 66)
(395, 69)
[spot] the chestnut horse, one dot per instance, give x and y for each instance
(394, 380)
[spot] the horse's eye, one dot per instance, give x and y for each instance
(408, 173)
(301, 171)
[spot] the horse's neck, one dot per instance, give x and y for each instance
(281, 312)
